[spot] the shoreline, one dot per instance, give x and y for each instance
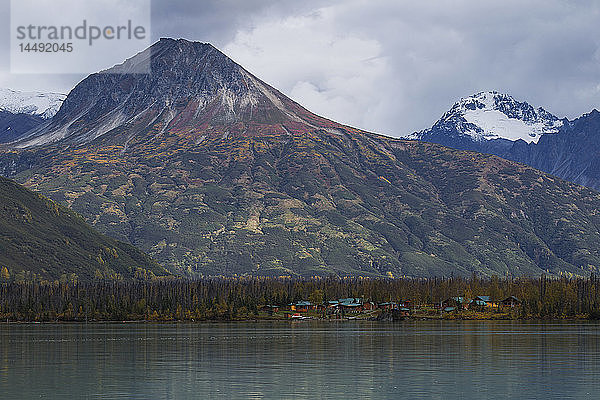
(309, 319)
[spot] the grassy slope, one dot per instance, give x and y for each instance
(48, 240)
(318, 203)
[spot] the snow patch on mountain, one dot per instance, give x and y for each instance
(492, 115)
(495, 124)
(44, 105)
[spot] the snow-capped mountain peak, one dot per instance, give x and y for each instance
(492, 115)
(43, 105)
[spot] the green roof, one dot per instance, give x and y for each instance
(351, 300)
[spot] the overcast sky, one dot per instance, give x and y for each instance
(389, 66)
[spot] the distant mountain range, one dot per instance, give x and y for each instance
(490, 122)
(23, 111)
(213, 172)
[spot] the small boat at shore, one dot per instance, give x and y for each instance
(299, 317)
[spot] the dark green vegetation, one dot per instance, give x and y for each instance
(241, 298)
(41, 240)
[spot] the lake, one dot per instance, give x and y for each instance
(304, 360)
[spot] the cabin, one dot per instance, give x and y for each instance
(369, 306)
(511, 302)
(301, 306)
(332, 304)
(482, 302)
(332, 307)
(269, 308)
(351, 304)
(456, 302)
(387, 306)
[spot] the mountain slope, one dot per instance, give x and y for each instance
(43, 240)
(572, 154)
(13, 126)
(211, 171)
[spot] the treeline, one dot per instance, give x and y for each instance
(242, 298)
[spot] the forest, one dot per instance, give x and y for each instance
(242, 298)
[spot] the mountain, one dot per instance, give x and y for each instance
(193, 88)
(495, 123)
(23, 111)
(572, 154)
(40, 239)
(213, 172)
(490, 120)
(13, 126)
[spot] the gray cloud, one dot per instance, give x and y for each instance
(217, 21)
(396, 66)
(431, 54)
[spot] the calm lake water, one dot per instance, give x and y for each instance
(305, 360)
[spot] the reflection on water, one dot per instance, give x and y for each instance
(329, 360)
